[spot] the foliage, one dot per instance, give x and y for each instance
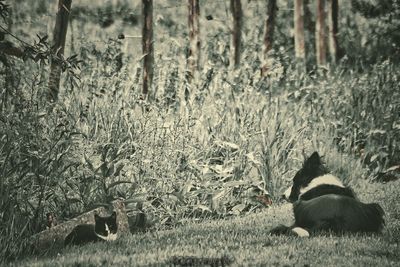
(363, 111)
(4, 9)
(377, 9)
(378, 29)
(223, 146)
(34, 157)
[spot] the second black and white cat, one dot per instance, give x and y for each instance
(104, 229)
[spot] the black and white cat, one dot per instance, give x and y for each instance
(104, 229)
(321, 202)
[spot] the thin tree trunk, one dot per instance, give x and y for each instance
(269, 32)
(333, 13)
(60, 33)
(71, 21)
(237, 13)
(194, 38)
(299, 42)
(309, 23)
(147, 46)
(320, 33)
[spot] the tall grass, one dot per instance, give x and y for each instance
(209, 158)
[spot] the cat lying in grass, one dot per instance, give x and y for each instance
(104, 229)
(321, 202)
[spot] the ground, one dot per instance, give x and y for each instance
(245, 241)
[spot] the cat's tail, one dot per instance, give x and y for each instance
(280, 230)
(68, 240)
(289, 230)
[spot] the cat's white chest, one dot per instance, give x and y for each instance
(110, 236)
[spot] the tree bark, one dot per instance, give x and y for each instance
(237, 14)
(320, 33)
(309, 23)
(269, 32)
(333, 13)
(194, 38)
(147, 46)
(59, 35)
(299, 42)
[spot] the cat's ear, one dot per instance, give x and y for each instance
(314, 160)
(114, 215)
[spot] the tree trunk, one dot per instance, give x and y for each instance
(194, 38)
(320, 33)
(60, 33)
(236, 9)
(269, 33)
(309, 23)
(147, 46)
(333, 13)
(299, 43)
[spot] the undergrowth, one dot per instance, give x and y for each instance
(223, 146)
(227, 153)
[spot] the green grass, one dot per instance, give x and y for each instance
(245, 239)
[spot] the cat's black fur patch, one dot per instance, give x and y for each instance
(338, 214)
(103, 228)
(327, 189)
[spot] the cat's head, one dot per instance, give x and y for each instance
(312, 168)
(106, 227)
